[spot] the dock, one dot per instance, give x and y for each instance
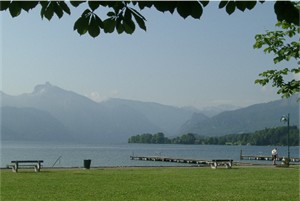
(213, 163)
(170, 159)
(267, 158)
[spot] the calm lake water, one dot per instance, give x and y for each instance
(72, 155)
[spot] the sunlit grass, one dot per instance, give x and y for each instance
(152, 184)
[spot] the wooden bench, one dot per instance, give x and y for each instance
(36, 164)
(221, 162)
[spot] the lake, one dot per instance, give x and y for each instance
(103, 155)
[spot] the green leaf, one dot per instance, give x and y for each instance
(137, 13)
(250, 4)
(145, 4)
(295, 70)
(27, 5)
(99, 21)
(65, 7)
(119, 25)
(164, 6)
(120, 28)
(183, 9)
(223, 3)
(94, 27)
(230, 7)
(129, 26)
(127, 15)
(139, 21)
(4, 5)
(111, 14)
(241, 5)
(49, 11)
(262, 82)
(285, 10)
(109, 25)
(204, 3)
(196, 9)
(86, 13)
(76, 3)
(15, 9)
(94, 4)
(118, 6)
(58, 10)
(82, 25)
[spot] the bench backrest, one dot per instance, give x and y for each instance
(28, 161)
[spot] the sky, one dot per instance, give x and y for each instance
(199, 63)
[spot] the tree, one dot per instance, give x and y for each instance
(158, 138)
(188, 139)
(122, 14)
(282, 45)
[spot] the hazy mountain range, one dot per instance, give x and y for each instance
(52, 113)
(83, 119)
(248, 119)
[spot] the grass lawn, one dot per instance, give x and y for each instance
(157, 184)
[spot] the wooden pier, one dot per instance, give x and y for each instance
(267, 158)
(214, 163)
(169, 159)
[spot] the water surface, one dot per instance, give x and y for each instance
(72, 155)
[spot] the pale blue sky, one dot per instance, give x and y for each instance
(176, 62)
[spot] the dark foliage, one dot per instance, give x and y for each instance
(268, 136)
(122, 16)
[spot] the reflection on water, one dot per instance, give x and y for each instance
(72, 155)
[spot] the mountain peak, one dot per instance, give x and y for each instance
(41, 88)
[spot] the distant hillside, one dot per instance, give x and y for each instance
(31, 124)
(109, 122)
(249, 119)
(215, 110)
(168, 118)
(52, 112)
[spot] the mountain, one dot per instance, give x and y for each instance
(31, 124)
(167, 118)
(188, 126)
(85, 120)
(215, 110)
(249, 119)
(50, 113)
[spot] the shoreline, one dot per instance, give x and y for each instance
(235, 165)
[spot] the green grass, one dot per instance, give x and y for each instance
(155, 184)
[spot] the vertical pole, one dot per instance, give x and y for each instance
(17, 166)
(241, 158)
(288, 135)
(285, 118)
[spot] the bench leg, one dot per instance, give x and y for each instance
(37, 168)
(213, 165)
(13, 168)
(228, 165)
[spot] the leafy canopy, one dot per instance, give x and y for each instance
(284, 48)
(123, 16)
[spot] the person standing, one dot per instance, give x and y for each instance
(274, 155)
